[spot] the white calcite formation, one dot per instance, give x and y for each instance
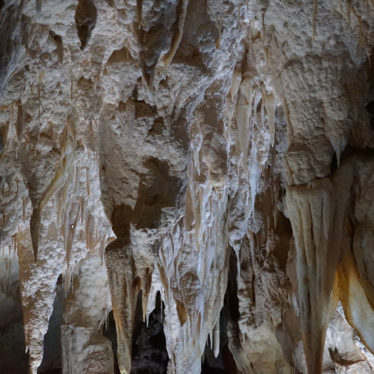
(200, 171)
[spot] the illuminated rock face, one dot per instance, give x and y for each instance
(186, 186)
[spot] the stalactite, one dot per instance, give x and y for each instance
(317, 213)
(200, 132)
(124, 290)
(178, 33)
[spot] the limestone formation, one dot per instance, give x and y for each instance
(186, 186)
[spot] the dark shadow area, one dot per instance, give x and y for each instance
(158, 189)
(52, 363)
(370, 109)
(224, 363)
(110, 333)
(149, 355)
(13, 358)
(85, 20)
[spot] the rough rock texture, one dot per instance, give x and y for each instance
(186, 186)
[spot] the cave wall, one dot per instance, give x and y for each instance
(198, 171)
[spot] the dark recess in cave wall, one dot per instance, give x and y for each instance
(85, 20)
(110, 333)
(13, 359)
(224, 363)
(51, 363)
(149, 355)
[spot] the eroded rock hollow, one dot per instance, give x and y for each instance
(186, 186)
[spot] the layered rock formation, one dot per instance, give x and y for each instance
(186, 186)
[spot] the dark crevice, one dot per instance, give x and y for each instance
(370, 109)
(225, 363)
(334, 164)
(149, 355)
(52, 362)
(13, 359)
(13, 356)
(111, 334)
(59, 45)
(85, 20)
(158, 189)
(350, 151)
